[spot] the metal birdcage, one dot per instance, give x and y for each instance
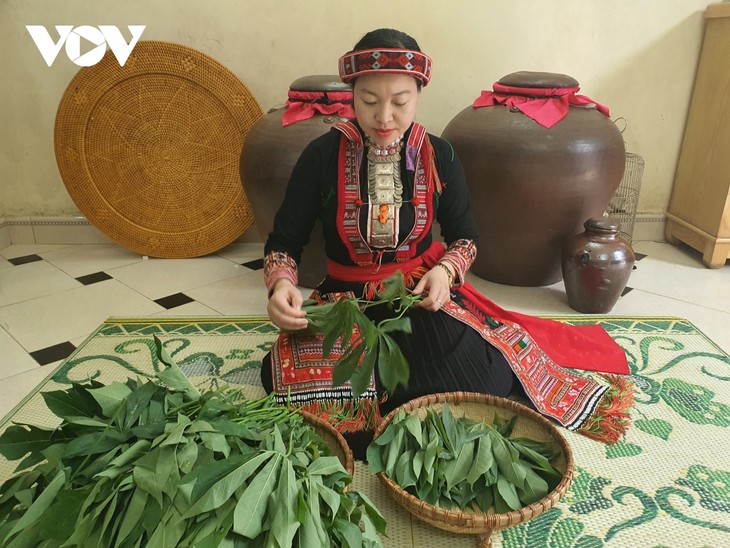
(624, 201)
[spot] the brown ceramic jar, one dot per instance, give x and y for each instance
(596, 266)
(531, 186)
(268, 158)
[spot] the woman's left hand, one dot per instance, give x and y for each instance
(435, 283)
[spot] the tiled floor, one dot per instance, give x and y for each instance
(53, 296)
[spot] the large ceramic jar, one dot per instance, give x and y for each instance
(596, 266)
(272, 148)
(534, 183)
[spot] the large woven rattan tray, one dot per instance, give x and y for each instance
(149, 151)
(479, 407)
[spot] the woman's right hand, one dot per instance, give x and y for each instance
(285, 307)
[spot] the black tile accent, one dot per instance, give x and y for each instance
(25, 259)
(173, 301)
(61, 351)
(257, 264)
(89, 279)
(626, 290)
(639, 256)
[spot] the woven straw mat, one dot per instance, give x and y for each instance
(149, 151)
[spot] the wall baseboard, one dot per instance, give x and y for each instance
(649, 227)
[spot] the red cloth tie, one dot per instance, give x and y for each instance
(547, 106)
(302, 105)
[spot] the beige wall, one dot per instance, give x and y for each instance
(637, 57)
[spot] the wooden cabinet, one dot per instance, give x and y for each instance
(699, 210)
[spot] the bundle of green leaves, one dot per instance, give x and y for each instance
(159, 464)
(337, 322)
(456, 462)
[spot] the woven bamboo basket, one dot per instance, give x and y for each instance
(149, 151)
(478, 407)
(334, 440)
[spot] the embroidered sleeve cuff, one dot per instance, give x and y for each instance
(278, 265)
(459, 256)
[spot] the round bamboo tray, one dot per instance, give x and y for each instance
(334, 440)
(481, 406)
(149, 151)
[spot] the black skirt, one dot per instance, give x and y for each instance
(443, 355)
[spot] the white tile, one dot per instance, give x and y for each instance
(21, 250)
(75, 313)
(241, 296)
(242, 253)
(158, 278)
(674, 272)
(188, 309)
(14, 358)
(79, 260)
(17, 387)
(32, 280)
(713, 323)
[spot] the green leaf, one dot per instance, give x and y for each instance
(482, 461)
(363, 374)
(534, 488)
(73, 402)
(348, 533)
(18, 441)
(173, 376)
(216, 483)
(345, 367)
(404, 475)
(138, 402)
(461, 465)
(248, 517)
(284, 524)
(396, 324)
(324, 466)
(133, 515)
(110, 397)
(155, 472)
(331, 498)
(40, 504)
(370, 509)
(94, 443)
(508, 492)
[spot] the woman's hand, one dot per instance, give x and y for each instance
(285, 307)
(436, 284)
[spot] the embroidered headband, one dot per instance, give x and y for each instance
(386, 60)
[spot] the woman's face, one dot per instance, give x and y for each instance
(385, 105)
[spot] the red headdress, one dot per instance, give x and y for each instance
(386, 60)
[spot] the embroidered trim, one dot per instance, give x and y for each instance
(385, 60)
(278, 265)
(349, 207)
(460, 256)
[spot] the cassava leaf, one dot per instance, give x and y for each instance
(73, 402)
(18, 441)
(172, 375)
(363, 374)
(284, 524)
(248, 517)
(110, 397)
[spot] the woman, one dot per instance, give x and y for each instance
(377, 184)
